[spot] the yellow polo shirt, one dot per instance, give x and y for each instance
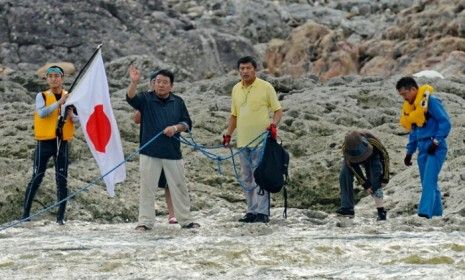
(252, 106)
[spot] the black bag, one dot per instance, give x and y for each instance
(272, 172)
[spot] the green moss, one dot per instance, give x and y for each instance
(297, 150)
(457, 247)
(6, 211)
(205, 264)
(415, 259)
(323, 249)
(6, 264)
(110, 266)
(236, 254)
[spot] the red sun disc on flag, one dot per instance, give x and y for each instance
(98, 128)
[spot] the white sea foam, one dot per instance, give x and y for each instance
(296, 248)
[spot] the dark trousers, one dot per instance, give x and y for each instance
(46, 149)
(373, 172)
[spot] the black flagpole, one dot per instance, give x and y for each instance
(62, 117)
(84, 68)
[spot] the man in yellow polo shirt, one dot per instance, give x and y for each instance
(253, 99)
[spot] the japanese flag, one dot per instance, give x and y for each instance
(91, 98)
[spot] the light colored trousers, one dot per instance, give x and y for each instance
(150, 170)
(256, 203)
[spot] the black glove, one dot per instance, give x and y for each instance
(408, 160)
(433, 147)
(366, 185)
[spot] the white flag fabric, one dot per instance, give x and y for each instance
(91, 97)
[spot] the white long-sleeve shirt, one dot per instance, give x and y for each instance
(44, 111)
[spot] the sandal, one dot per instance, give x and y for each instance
(172, 220)
(191, 225)
(142, 228)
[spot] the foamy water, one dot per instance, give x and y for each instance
(308, 245)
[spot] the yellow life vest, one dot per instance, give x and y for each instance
(45, 128)
(416, 113)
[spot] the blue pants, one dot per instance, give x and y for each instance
(256, 203)
(373, 170)
(430, 165)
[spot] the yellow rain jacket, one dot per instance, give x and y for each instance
(416, 113)
(45, 128)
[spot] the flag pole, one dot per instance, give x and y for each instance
(84, 68)
(62, 117)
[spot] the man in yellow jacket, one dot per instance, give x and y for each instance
(425, 118)
(47, 111)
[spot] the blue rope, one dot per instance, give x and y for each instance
(86, 188)
(219, 159)
(204, 149)
(193, 143)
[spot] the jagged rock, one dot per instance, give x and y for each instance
(453, 65)
(295, 56)
(400, 44)
(379, 66)
(5, 70)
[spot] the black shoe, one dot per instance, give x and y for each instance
(345, 212)
(261, 218)
(26, 218)
(248, 218)
(61, 222)
(381, 214)
(142, 228)
(423, 216)
(191, 225)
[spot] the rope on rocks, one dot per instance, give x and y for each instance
(84, 189)
(190, 142)
(205, 150)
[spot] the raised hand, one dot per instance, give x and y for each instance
(134, 74)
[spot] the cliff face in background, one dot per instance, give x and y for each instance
(201, 39)
(333, 64)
